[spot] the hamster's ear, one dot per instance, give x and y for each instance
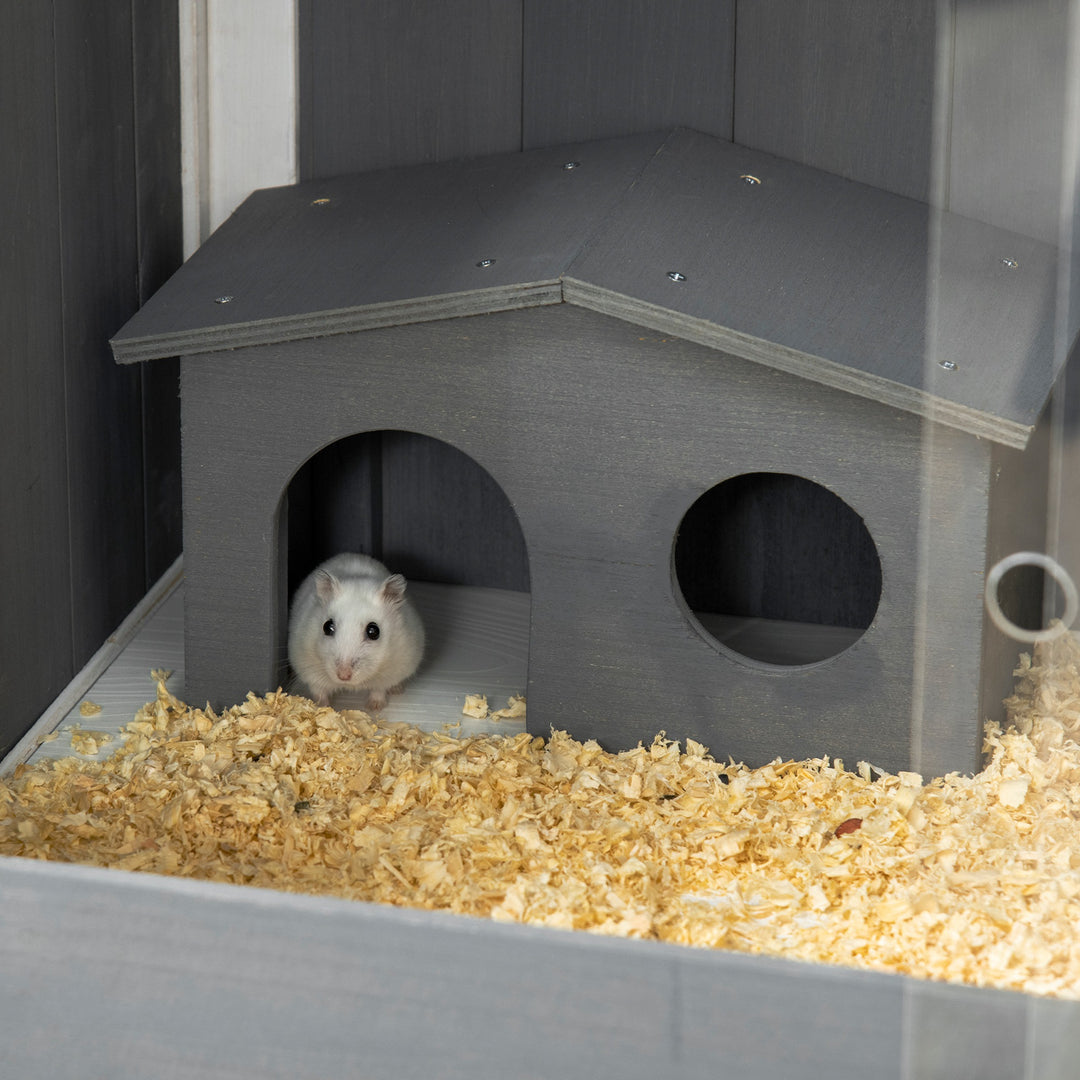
(326, 585)
(393, 589)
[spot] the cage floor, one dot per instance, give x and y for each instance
(477, 643)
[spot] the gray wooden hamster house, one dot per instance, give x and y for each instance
(611, 330)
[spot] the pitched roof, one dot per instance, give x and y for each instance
(776, 262)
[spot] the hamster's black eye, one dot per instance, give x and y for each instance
(328, 628)
(372, 631)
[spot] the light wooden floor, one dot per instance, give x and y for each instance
(477, 643)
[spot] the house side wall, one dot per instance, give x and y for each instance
(601, 435)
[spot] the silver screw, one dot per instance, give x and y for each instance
(746, 178)
(676, 276)
(948, 365)
(485, 263)
(1012, 264)
(223, 299)
(572, 165)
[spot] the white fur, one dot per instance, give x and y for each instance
(353, 591)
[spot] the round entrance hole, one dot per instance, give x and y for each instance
(777, 569)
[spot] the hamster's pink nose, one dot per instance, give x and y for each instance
(344, 671)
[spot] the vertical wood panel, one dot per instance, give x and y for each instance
(446, 519)
(618, 67)
(386, 83)
(1011, 123)
(89, 199)
(35, 579)
(250, 140)
(156, 83)
(844, 85)
(156, 90)
(335, 504)
(95, 124)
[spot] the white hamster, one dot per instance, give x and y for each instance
(351, 628)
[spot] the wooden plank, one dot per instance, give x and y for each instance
(843, 85)
(238, 91)
(250, 108)
(119, 673)
(385, 84)
(155, 59)
(35, 616)
(172, 954)
(828, 279)
(296, 267)
(958, 1031)
(445, 518)
(1053, 1039)
(97, 191)
(156, 93)
(611, 67)
(380, 991)
(1064, 479)
(1012, 134)
(953, 473)
(335, 504)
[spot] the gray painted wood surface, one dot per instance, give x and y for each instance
(384, 83)
(334, 503)
(35, 623)
(388, 247)
(969, 98)
(91, 192)
(1012, 150)
(844, 85)
(178, 978)
(829, 279)
(1019, 521)
(614, 67)
(616, 432)
(156, 74)
(99, 246)
(446, 519)
(836, 281)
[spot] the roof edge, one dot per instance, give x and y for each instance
(340, 321)
(804, 365)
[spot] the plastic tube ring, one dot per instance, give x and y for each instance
(1056, 571)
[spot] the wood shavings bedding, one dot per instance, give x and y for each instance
(970, 879)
